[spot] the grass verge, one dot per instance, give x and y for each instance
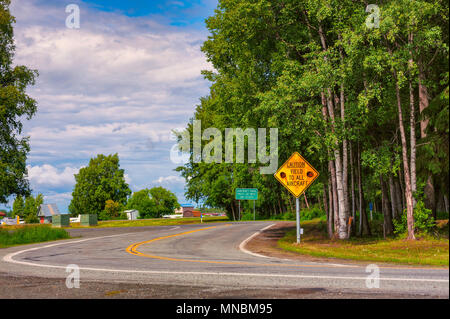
(314, 242)
(30, 234)
(152, 222)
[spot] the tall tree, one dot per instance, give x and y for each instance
(15, 106)
(100, 181)
(165, 200)
(142, 201)
(18, 207)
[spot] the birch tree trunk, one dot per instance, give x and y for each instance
(413, 140)
(334, 209)
(408, 189)
(327, 209)
(402, 189)
(339, 180)
(335, 197)
(424, 102)
(344, 142)
(337, 157)
(412, 124)
(330, 209)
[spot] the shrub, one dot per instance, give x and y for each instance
(31, 219)
(423, 220)
(106, 216)
(288, 216)
(312, 213)
(247, 216)
(113, 211)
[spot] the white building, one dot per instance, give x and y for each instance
(132, 214)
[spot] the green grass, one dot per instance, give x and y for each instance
(152, 222)
(30, 234)
(424, 251)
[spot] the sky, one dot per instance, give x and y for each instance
(118, 84)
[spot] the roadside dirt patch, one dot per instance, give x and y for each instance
(266, 244)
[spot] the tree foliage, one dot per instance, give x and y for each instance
(100, 181)
(153, 203)
(350, 97)
(15, 106)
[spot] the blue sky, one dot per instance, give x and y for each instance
(177, 12)
(119, 84)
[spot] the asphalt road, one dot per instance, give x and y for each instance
(209, 255)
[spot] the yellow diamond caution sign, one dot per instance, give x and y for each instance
(296, 174)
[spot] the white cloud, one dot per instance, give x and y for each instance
(48, 176)
(109, 87)
(169, 180)
(116, 85)
(57, 198)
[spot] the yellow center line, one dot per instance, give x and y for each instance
(132, 249)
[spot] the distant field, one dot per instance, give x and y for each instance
(314, 242)
(153, 222)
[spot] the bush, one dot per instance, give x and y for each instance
(312, 213)
(247, 216)
(288, 216)
(31, 219)
(305, 214)
(423, 220)
(106, 216)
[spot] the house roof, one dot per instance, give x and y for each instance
(48, 210)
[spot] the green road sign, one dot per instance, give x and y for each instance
(246, 193)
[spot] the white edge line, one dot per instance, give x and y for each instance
(156, 272)
(8, 258)
(244, 243)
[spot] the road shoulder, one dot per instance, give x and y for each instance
(266, 244)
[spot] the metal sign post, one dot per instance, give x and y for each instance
(239, 218)
(297, 215)
(246, 194)
(296, 174)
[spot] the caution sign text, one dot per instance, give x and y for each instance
(296, 174)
